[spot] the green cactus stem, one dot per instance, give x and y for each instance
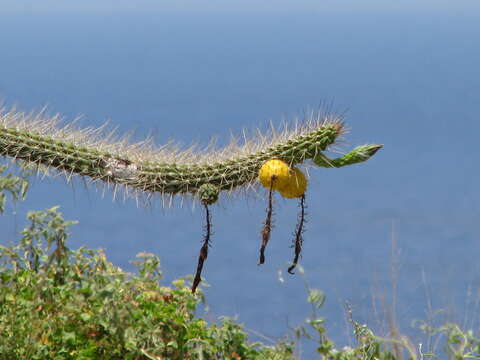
(37, 139)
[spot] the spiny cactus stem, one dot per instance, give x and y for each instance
(157, 176)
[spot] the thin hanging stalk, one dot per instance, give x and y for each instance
(298, 241)
(203, 250)
(267, 226)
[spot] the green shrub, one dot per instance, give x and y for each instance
(59, 303)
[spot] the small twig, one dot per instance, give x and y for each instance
(203, 251)
(298, 234)
(267, 226)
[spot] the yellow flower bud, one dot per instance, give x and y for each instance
(296, 184)
(274, 168)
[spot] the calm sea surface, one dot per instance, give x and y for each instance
(408, 81)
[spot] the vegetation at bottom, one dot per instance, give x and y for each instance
(60, 303)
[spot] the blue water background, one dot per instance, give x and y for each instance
(410, 81)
